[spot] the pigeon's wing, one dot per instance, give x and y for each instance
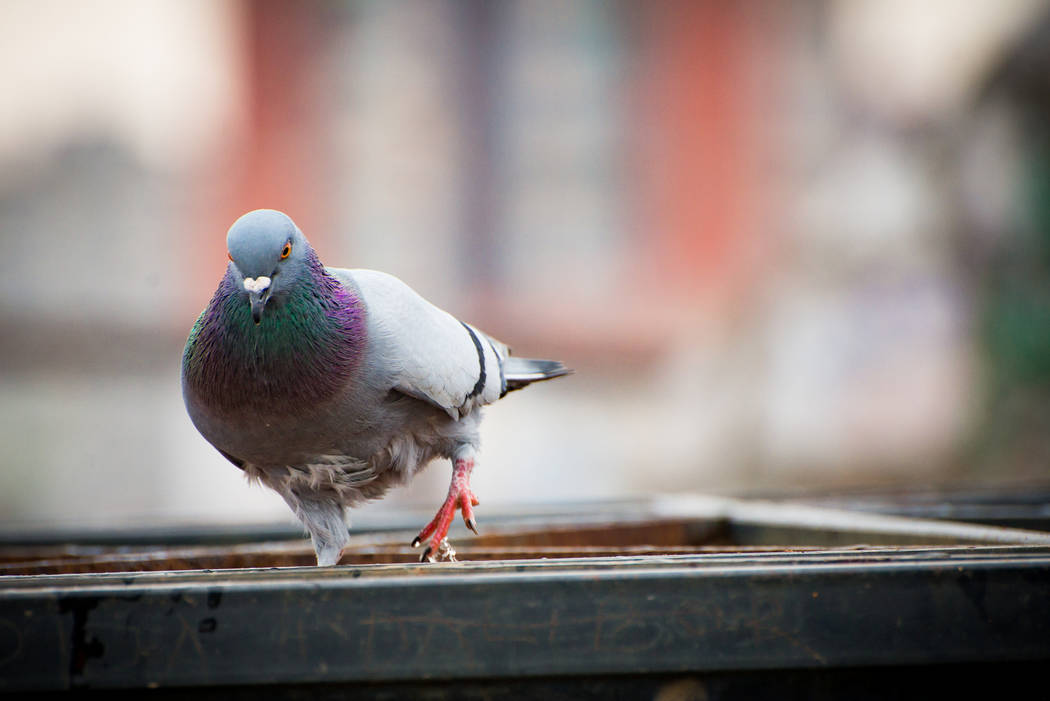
(427, 352)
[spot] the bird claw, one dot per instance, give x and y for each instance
(459, 496)
(445, 552)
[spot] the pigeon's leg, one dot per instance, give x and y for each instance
(459, 496)
(324, 518)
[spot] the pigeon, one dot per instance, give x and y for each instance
(330, 386)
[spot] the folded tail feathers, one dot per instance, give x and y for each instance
(520, 372)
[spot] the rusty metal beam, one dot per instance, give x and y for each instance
(627, 615)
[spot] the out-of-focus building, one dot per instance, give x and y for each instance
(776, 240)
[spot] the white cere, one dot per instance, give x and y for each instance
(256, 284)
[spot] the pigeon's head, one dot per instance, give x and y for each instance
(268, 255)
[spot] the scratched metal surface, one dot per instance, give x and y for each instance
(508, 620)
(684, 587)
(823, 684)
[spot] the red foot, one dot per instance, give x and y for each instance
(459, 495)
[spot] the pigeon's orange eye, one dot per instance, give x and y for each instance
(286, 251)
(229, 255)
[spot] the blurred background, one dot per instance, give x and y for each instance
(786, 246)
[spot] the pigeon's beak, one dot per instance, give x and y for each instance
(258, 295)
(258, 300)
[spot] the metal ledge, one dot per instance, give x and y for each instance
(799, 607)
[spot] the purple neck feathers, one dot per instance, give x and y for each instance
(304, 352)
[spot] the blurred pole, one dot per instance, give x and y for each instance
(480, 68)
(276, 157)
(284, 164)
(699, 195)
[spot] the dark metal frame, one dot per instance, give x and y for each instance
(504, 622)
